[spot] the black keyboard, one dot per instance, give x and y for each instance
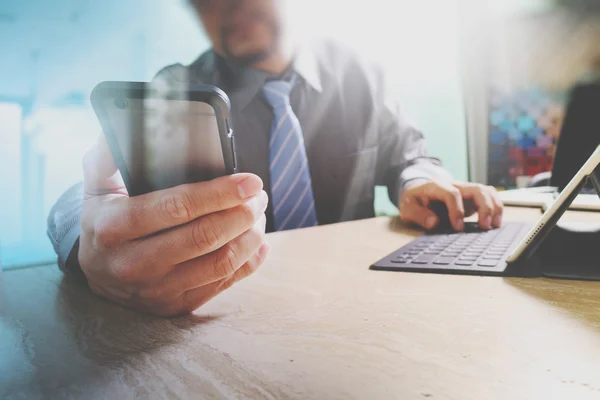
(471, 250)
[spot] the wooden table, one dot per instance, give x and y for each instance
(314, 323)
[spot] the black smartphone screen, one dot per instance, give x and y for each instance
(165, 143)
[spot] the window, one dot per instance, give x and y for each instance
(55, 52)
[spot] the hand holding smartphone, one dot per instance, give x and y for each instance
(152, 244)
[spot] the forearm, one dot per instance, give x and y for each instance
(64, 225)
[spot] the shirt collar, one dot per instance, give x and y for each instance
(306, 65)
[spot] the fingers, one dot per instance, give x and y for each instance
(413, 212)
(200, 293)
(204, 235)
(195, 298)
(483, 203)
(416, 200)
(193, 283)
(489, 207)
(498, 209)
(100, 171)
(219, 264)
(450, 196)
(147, 214)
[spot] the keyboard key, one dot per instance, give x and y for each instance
(488, 263)
(424, 241)
(464, 263)
(424, 259)
(438, 250)
(492, 257)
(432, 252)
(444, 260)
(461, 249)
(465, 258)
(400, 261)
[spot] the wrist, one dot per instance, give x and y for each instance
(412, 183)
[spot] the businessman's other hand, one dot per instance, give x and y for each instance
(170, 251)
(462, 199)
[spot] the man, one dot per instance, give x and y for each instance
(313, 126)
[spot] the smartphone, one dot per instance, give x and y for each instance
(162, 138)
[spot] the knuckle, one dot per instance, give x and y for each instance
(225, 284)
(489, 202)
(218, 198)
(125, 274)
(104, 233)
(255, 263)
(485, 209)
(171, 309)
(432, 187)
(191, 301)
(256, 235)
(454, 191)
(455, 196)
(206, 234)
(189, 308)
(154, 295)
(211, 199)
(95, 289)
(88, 219)
(176, 207)
(225, 262)
(247, 212)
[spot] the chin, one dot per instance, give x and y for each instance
(247, 55)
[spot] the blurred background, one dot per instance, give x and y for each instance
(533, 61)
(508, 65)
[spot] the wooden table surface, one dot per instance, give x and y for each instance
(313, 323)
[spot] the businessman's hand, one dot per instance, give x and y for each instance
(168, 252)
(461, 198)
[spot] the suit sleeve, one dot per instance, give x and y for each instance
(403, 157)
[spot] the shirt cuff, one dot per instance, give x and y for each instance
(67, 246)
(421, 173)
(426, 171)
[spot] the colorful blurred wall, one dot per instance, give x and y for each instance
(544, 53)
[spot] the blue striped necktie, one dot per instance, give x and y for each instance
(291, 188)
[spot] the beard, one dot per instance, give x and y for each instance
(248, 59)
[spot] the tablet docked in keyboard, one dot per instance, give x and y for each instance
(488, 252)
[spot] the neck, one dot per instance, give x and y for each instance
(277, 62)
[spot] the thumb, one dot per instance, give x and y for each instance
(413, 212)
(100, 173)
